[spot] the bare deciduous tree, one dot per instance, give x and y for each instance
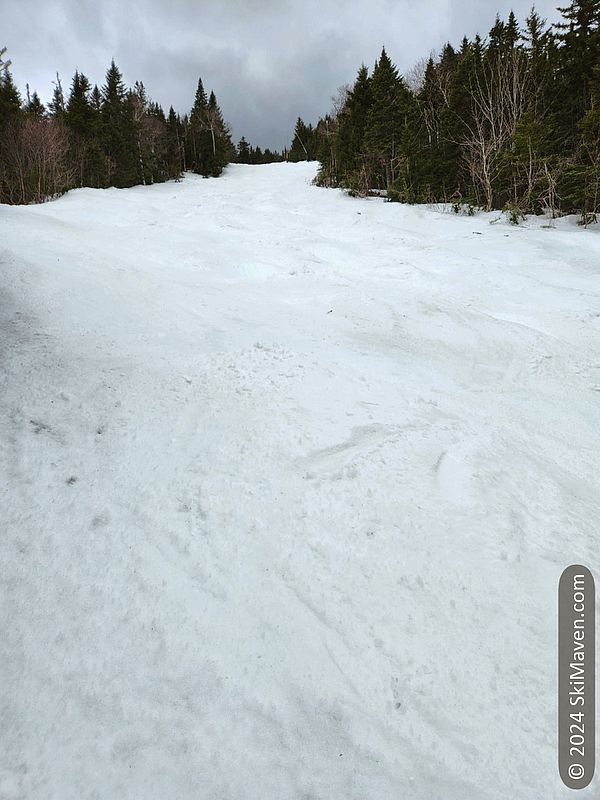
(415, 76)
(35, 160)
(500, 92)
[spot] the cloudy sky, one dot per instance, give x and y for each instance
(268, 61)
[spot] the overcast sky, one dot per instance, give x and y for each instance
(268, 61)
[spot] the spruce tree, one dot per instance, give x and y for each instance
(118, 130)
(349, 148)
(10, 99)
(221, 146)
(301, 143)
(386, 122)
(78, 113)
(196, 140)
(96, 171)
(579, 36)
(589, 204)
(112, 136)
(57, 104)
(35, 106)
(512, 122)
(512, 33)
(174, 145)
(243, 152)
(96, 100)
(497, 36)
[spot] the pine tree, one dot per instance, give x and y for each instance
(96, 99)
(300, 149)
(118, 130)
(488, 125)
(243, 152)
(512, 34)
(437, 126)
(196, 140)
(222, 149)
(349, 149)
(57, 104)
(78, 113)
(497, 36)
(589, 204)
(174, 145)
(10, 99)
(96, 173)
(386, 122)
(579, 36)
(208, 143)
(35, 106)
(200, 104)
(108, 137)
(540, 44)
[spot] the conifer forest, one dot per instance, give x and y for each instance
(109, 136)
(509, 121)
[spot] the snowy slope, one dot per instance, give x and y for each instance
(287, 484)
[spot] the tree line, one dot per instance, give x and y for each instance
(100, 137)
(510, 122)
(247, 154)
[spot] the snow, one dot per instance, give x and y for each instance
(288, 480)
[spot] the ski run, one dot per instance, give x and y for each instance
(288, 480)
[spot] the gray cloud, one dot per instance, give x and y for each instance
(268, 61)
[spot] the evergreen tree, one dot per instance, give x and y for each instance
(174, 145)
(35, 106)
(301, 148)
(118, 131)
(208, 145)
(512, 33)
(386, 122)
(108, 137)
(589, 202)
(79, 113)
(222, 149)
(497, 36)
(349, 147)
(579, 36)
(57, 104)
(243, 152)
(197, 146)
(510, 123)
(10, 99)
(539, 42)
(96, 100)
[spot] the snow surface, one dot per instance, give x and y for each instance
(287, 483)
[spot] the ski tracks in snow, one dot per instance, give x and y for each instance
(287, 475)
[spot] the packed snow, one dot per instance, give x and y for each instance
(288, 480)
